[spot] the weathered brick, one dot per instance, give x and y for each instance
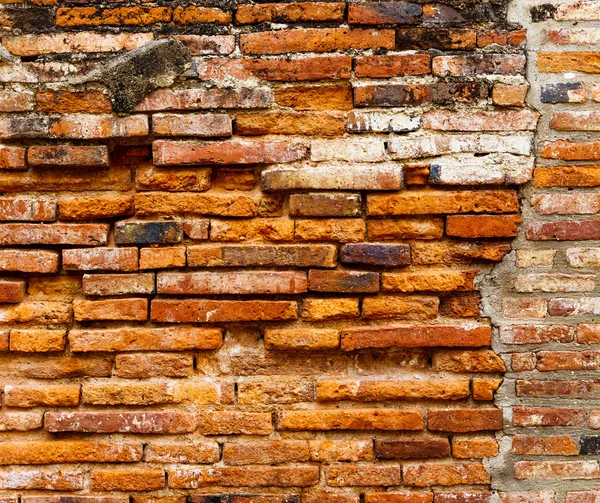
(88, 127)
(315, 40)
(127, 480)
(463, 66)
(348, 230)
(302, 339)
(474, 447)
(536, 334)
(12, 291)
(262, 255)
(461, 361)
(402, 307)
(429, 281)
(206, 125)
(522, 120)
(426, 146)
(144, 233)
(328, 204)
(101, 259)
(207, 283)
(37, 340)
(145, 339)
(381, 390)
(34, 45)
(414, 336)
(48, 396)
(382, 122)
(565, 470)
(351, 419)
(548, 416)
(343, 475)
(95, 207)
(93, 16)
(66, 102)
(545, 445)
(384, 13)
(563, 230)
(199, 311)
(343, 281)
(464, 420)
(444, 474)
(419, 202)
(482, 226)
(123, 422)
(168, 153)
(436, 38)
(254, 476)
(56, 234)
(264, 229)
(68, 156)
(315, 309)
(392, 66)
(292, 13)
(156, 203)
(195, 452)
(572, 151)
(115, 309)
(564, 92)
(558, 62)
(412, 448)
(380, 177)
(118, 284)
(67, 451)
(12, 158)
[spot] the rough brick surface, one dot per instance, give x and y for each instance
(249, 249)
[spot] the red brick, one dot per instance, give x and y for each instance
(412, 448)
(445, 474)
(168, 153)
(564, 470)
(315, 40)
(12, 292)
(12, 158)
(253, 476)
(545, 446)
(64, 102)
(415, 336)
(482, 226)
(205, 311)
(68, 156)
(127, 480)
(351, 419)
(56, 234)
(384, 13)
(115, 309)
(464, 420)
(145, 339)
(392, 66)
(548, 416)
(118, 284)
(292, 12)
(101, 259)
(206, 283)
(121, 422)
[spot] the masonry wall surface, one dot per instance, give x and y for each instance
(263, 252)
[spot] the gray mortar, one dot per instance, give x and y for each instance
(133, 75)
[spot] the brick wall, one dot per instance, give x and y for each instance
(244, 247)
(544, 296)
